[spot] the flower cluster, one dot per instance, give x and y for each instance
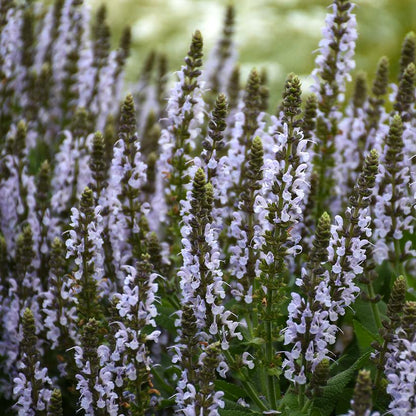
(186, 251)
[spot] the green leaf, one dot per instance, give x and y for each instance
(166, 403)
(160, 381)
(231, 391)
(165, 320)
(290, 402)
(227, 412)
(364, 336)
(234, 409)
(274, 371)
(336, 386)
(350, 355)
(344, 402)
(365, 315)
(255, 341)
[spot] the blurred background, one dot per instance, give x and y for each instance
(279, 35)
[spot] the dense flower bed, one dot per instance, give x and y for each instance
(190, 251)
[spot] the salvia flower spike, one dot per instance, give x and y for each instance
(181, 250)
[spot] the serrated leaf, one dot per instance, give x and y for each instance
(232, 406)
(165, 320)
(274, 371)
(231, 391)
(350, 355)
(160, 380)
(290, 401)
(365, 314)
(344, 402)
(335, 387)
(232, 412)
(255, 341)
(166, 403)
(364, 336)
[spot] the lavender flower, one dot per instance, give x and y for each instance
(71, 173)
(16, 185)
(245, 229)
(185, 112)
(137, 310)
(59, 302)
(347, 246)
(203, 317)
(126, 221)
(361, 402)
(244, 129)
(401, 365)
(390, 326)
(94, 381)
(312, 322)
(394, 202)
(200, 275)
(334, 63)
(308, 325)
(222, 58)
(84, 248)
(32, 386)
(376, 128)
(352, 128)
(23, 292)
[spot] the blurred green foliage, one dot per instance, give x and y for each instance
(279, 35)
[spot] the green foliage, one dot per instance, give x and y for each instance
(336, 385)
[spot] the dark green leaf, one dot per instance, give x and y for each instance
(364, 336)
(234, 409)
(336, 386)
(290, 401)
(255, 341)
(231, 391)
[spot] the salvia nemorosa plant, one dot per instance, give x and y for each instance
(185, 250)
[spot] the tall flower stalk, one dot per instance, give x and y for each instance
(203, 318)
(279, 208)
(334, 63)
(84, 248)
(185, 115)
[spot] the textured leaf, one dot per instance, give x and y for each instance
(231, 391)
(255, 341)
(290, 401)
(335, 387)
(365, 315)
(233, 412)
(234, 409)
(364, 336)
(165, 320)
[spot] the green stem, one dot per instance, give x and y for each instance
(269, 350)
(302, 396)
(306, 407)
(374, 307)
(398, 264)
(248, 388)
(165, 386)
(379, 371)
